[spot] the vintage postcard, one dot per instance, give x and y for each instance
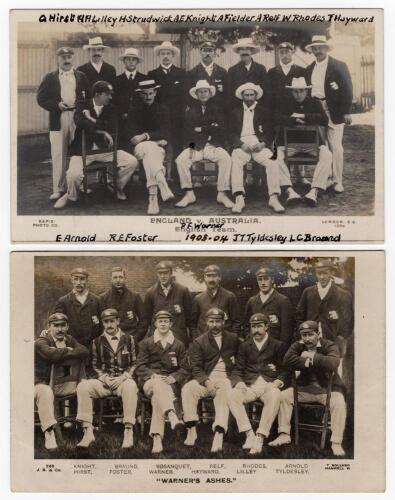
(184, 126)
(176, 372)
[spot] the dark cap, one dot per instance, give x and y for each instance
(55, 317)
(258, 318)
(101, 87)
(264, 271)
(79, 271)
(212, 269)
(109, 313)
(324, 264)
(63, 51)
(308, 326)
(208, 44)
(285, 45)
(215, 313)
(163, 314)
(164, 265)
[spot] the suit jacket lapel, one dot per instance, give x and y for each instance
(122, 342)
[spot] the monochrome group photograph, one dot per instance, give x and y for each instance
(190, 119)
(189, 357)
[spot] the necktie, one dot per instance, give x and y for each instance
(203, 109)
(114, 338)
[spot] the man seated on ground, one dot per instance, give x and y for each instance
(212, 359)
(257, 375)
(251, 133)
(148, 125)
(315, 358)
(98, 118)
(301, 109)
(205, 140)
(113, 357)
(54, 346)
(161, 372)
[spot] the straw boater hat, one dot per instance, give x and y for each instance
(318, 40)
(249, 86)
(202, 84)
(298, 83)
(147, 84)
(166, 46)
(131, 52)
(95, 43)
(245, 43)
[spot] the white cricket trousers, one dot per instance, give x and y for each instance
(162, 401)
(152, 156)
(334, 136)
(60, 141)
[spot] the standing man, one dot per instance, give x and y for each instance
(113, 358)
(246, 70)
(212, 359)
(329, 305)
(257, 375)
(218, 297)
(169, 296)
(315, 358)
(332, 86)
(128, 304)
(96, 69)
(58, 93)
(81, 307)
(161, 371)
(211, 72)
(53, 347)
(147, 129)
(276, 306)
(171, 92)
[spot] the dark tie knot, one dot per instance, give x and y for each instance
(114, 338)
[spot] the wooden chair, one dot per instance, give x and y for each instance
(204, 172)
(324, 425)
(108, 407)
(302, 159)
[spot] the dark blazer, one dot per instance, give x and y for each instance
(224, 300)
(84, 319)
(178, 302)
(154, 120)
(339, 100)
(48, 95)
(106, 121)
(218, 78)
(263, 125)
(238, 74)
(107, 73)
(204, 354)
(277, 80)
(46, 354)
(252, 363)
(127, 303)
(106, 361)
(152, 358)
(311, 307)
(124, 91)
(212, 126)
(172, 89)
(314, 115)
(280, 311)
(315, 378)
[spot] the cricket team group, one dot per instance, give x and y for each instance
(228, 117)
(177, 347)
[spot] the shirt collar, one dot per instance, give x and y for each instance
(169, 338)
(261, 343)
(251, 108)
(210, 67)
(265, 296)
(117, 334)
(167, 68)
(97, 66)
(325, 288)
(96, 106)
(322, 63)
(130, 73)
(66, 73)
(286, 66)
(62, 342)
(83, 294)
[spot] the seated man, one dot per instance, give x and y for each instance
(147, 129)
(212, 358)
(53, 346)
(257, 375)
(251, 134)
(205, 140)
(301, 109)
(161, 371)
(315, 358)
(98, 118)
(113, 357)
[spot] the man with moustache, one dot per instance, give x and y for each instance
(258, 375)
(276, 306)
(218, 297)
(129, 305)
(212, 359)
(113, 358)
(59, 93)
(315, 358)
(161, 372)
(81, 307)
(97, 69)
(54, 346)
(168, 295)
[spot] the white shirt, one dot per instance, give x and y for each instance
(111, 339)
(68, 86)
(318, 79)
(130, 74)
(98, 109)
(247, 131)
(81, 297)
(209, 68)
(286, 67)
(166, 69)
(166, 290)
(323, 291)
(220, 367)
(261, 343)
(164, 340)
(60, 344)
(97, 66)
(248, 66)
(265, 296)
